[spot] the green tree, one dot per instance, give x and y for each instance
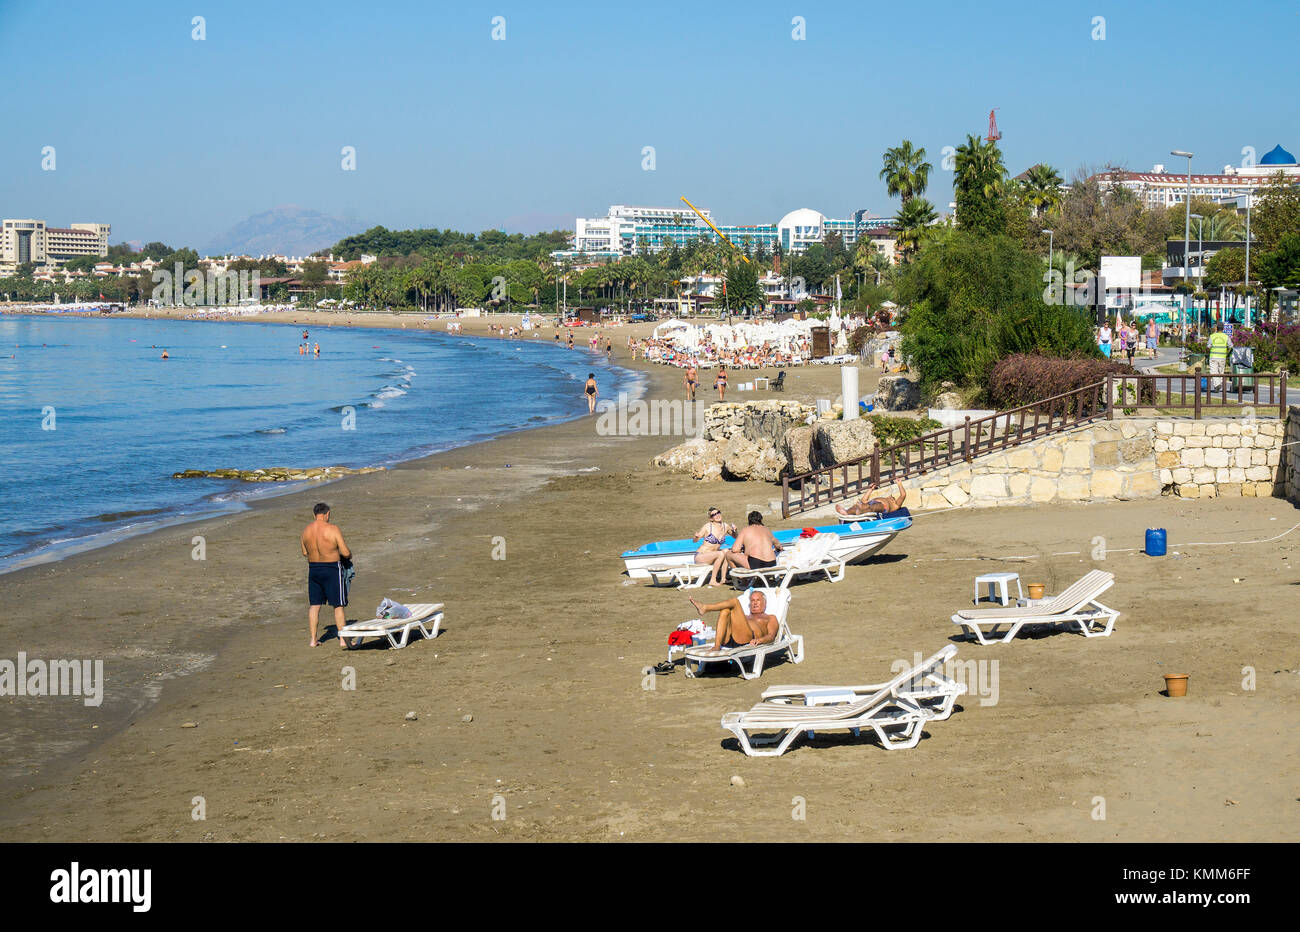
(1042, 188)
(973, 300)
(1275, 213)
(906, 172)
(978, 186)
(1100, 219)
(743, 291)
(914, 220)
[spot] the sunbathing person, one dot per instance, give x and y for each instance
(711, 552)
(735, 628)
(755, 547)
(876, 504)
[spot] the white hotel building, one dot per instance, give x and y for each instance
(1164, 188)
(24, 241)
(624, 230)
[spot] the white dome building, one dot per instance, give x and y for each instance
(799, 229)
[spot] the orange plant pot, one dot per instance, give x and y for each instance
(1037, 590)
(1176, 684)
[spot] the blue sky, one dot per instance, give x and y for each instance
(170, 138)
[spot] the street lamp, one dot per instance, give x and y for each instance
(1187, 242)
(1249, 197)
(1200, 260)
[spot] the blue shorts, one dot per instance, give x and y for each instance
(325, 584)
(1105, 349)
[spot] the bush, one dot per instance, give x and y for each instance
(1021, 379)
(892, 430)
(859, 337)
(975, 300)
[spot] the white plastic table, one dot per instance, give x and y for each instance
(999, 586)
(766, 382)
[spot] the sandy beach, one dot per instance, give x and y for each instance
(532, 703)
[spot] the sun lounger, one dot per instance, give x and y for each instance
(810, 556)
(1076, 604)
(426, 617)
(895, 711)
(778, 604)
(691, 576)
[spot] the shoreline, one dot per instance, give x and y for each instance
(56, 551)
(534, 693)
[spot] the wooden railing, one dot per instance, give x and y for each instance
(1006, 429)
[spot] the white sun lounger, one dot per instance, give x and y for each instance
(810, 556)
(896, 711)
(426, 617)
(778, 604)
(1076, 604)
(691, 576)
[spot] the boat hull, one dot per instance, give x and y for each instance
(854, 546)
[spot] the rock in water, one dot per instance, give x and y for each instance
(276, 473)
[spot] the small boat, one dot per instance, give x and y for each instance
(858, 540)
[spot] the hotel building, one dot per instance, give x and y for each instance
(24, 241)
(625, 230)
(1162, 188)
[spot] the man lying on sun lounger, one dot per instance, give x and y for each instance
(876, 504)
(735, 628)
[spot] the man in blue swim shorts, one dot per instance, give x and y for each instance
(327, 554)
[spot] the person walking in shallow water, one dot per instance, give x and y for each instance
(591, 392)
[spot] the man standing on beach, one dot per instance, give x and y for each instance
(323, 546)
(691, 378)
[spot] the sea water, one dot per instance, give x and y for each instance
(94, 422)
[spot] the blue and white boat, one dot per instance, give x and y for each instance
(857, 541)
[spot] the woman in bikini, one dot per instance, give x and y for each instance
(591, 392)
(711, 553)
(721, 383)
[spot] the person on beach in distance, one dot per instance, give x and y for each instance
(737, 629)
(570, 339)
(755, 547)
(711, 553)
(876, 505)
(325, 550)
(691, 380)
(317, 350)
(721, 382)
(592, 392)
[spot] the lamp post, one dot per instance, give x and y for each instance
(1249, 197)
(1050, 237)
(1200, 268)
(1187, 244)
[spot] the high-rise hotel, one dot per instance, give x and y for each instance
(24, 241)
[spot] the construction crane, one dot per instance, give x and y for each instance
(993, 135)
(715, 229)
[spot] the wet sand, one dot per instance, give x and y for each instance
(543, 652)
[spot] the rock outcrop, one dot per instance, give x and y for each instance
(837, 441)
(740, 441)
(276, 473)
(897, 393)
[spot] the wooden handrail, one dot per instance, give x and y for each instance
(1077, 407)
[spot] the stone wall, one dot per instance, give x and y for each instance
(1124, 459)
(1290, 457)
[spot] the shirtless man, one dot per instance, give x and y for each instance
(876, 504)
(691, 381)
(735, 628)
(323, 546)
(755, 547)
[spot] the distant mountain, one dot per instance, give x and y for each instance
(288, 230)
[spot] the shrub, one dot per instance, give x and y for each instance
(1021, 379)
(892, 430)
(859, 337)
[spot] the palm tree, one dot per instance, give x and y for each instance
(979, 167)
(906, 171)
(1042, 186)
(914, 217)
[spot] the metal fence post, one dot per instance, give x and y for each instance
(1281, 402)
(1110, 397)
(965, 442)
(875, 463)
